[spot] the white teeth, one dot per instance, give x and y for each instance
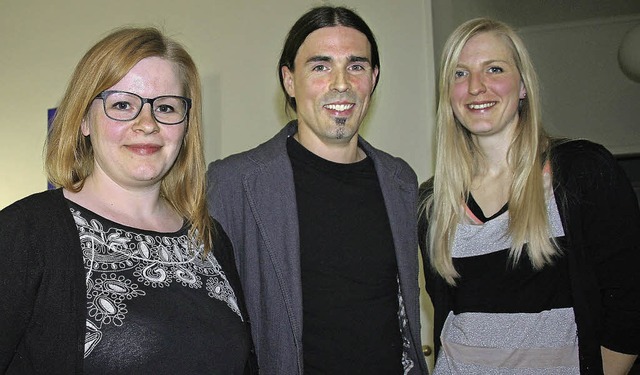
(338, 107)
(481, 106)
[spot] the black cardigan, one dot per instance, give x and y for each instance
(43, 291)
(601, 220)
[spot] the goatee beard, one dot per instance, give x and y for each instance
(341, 122)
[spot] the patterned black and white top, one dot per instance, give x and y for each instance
(154, 304)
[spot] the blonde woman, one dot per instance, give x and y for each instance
(120, 269)
(530, 243)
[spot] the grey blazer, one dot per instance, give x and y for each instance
(252, 195)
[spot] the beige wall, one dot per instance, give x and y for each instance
(236, 45)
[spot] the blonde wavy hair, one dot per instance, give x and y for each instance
(69, 158)
(458, 159)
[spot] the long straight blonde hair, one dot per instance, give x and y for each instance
(69, 158)
(458, 159)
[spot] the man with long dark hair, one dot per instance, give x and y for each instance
(324, 224)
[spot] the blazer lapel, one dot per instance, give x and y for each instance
(271, 196)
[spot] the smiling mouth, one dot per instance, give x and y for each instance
(481, 106)
(144, 149)
(339, 107)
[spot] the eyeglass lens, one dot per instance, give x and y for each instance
(124, 106)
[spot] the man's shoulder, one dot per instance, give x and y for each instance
(389, 162)
(270, 151)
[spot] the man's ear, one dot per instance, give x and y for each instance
(287, 80)
(376, 70)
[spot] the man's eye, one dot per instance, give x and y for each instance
(319, 68)
(357, 67)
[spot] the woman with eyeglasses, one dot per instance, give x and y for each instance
(530, 243)
(120, 269)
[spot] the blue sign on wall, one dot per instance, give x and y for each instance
(51, 112)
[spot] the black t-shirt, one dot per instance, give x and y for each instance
(349, 269)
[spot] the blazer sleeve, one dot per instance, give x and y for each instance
(216, 181)
(225, 195)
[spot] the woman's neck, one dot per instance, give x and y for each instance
(142, 208)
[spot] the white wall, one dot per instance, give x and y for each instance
(236, 45)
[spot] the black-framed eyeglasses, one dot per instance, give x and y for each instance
(126, 106)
